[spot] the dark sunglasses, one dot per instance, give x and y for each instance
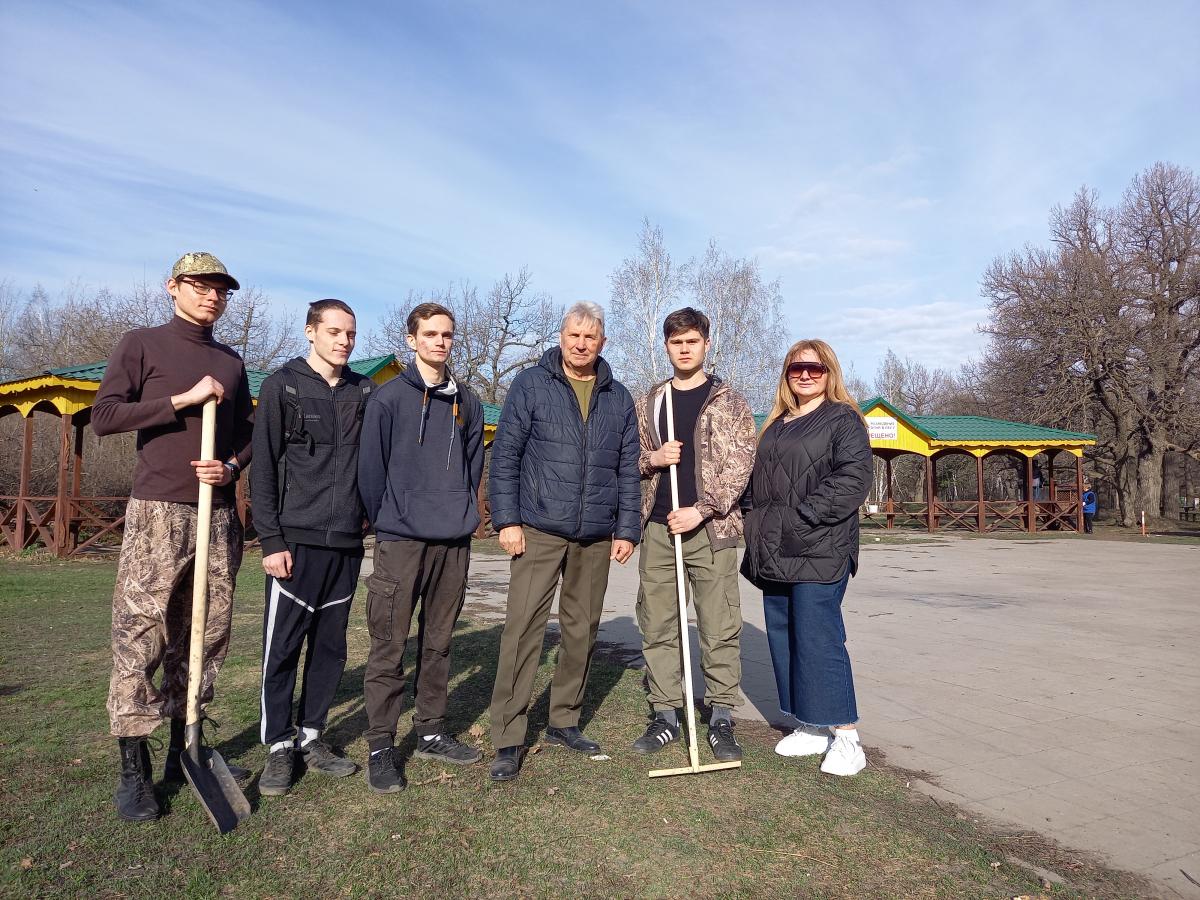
(813, 369)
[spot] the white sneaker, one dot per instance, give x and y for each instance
(845, 756)
(805, 741)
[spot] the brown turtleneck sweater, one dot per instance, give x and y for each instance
(149, 366)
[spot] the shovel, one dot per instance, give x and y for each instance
(681, 591)
(204, 768)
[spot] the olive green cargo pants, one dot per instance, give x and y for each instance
(713, 577)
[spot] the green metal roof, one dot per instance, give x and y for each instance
(86, 372)
(977, 428)
(969, 428)
(491, 413)
(369, 367)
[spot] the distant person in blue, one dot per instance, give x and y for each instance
(1089, 506)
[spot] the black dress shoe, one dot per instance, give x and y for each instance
(571, 738)
(507, 764)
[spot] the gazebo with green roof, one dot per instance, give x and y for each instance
(1056, 505)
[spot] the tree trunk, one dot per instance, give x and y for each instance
(1172, 484)
(1150, 479)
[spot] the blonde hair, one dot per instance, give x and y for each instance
(786, 403)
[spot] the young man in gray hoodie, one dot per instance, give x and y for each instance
(419, 468)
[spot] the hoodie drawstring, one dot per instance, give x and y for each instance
(453, 428)
(424, 413)
(453, 425)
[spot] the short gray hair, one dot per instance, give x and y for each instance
(584, 311)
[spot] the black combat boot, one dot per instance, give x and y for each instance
(135, 796)
(173, 770)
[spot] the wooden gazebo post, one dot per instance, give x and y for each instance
(890, 506)
(1031, 503)
(62, 509)
(76, 488)
(1079, 494)
(981, 527)
(930, 494)
(22, 513)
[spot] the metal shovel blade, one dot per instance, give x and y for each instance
(215, 788)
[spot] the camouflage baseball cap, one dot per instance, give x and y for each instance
(203, 264)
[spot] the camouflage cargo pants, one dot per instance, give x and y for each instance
(152, 611)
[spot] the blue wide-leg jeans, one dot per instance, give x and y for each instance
(807, 638)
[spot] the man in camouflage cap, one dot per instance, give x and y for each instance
(156, 383)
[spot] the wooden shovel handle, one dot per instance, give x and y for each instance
(208, 439)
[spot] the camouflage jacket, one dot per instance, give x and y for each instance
(725, 439)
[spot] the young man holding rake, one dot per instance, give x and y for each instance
(714, 456)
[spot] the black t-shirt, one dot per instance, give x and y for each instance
(687, 406)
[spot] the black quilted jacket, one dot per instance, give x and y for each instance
(810, 477)
(559, 474)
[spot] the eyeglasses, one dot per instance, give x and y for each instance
(811, 369)
(205, 289)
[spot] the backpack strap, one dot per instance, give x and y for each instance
(293, 426)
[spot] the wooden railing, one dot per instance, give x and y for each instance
(1060, 514)
(26, 521)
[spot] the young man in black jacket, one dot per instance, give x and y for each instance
(418, 474)
(304, 496)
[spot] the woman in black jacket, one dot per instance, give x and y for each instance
(811, 475)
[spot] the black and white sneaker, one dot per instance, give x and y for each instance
(724, 745)
(447, 748)
(658, 734)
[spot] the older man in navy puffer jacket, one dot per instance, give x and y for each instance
(566, 498)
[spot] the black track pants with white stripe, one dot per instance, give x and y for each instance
(311, 607)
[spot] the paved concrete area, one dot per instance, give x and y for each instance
(1048, 684)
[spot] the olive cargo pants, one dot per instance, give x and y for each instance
(713, 577)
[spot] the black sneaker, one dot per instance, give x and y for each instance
(724, 745)
(383, 773)
(447, 748)
(658, 734)
(319, 757)
(276, 777)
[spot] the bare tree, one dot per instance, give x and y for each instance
(10, 301)
(264, 340)
(496, 336)
(748, 334)
(912, 387)
(749, 337)
(503, 333)
(1101, 332)
(644, 289)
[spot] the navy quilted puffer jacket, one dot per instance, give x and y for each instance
(556, 473)
(810, 477)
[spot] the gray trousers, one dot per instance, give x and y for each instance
(534, 576)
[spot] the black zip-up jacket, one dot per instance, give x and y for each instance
(559, 474)
(319, 504)
(810, 477)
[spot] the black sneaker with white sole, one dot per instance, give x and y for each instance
(447, 748)
(658, 734)
(724, 745)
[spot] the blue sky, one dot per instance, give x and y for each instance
(873, 158)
